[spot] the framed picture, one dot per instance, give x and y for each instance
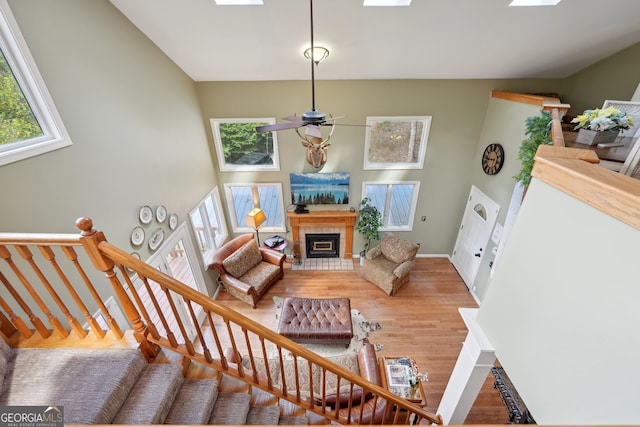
(240, 148)
(397, 142)
(320, 188)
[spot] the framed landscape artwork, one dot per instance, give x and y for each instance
(320, 188)
(397, 142)
(240, 148)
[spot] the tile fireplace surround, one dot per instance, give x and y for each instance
(341, 222)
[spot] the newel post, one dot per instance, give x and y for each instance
(91, 240)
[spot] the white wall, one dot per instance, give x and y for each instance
(562, 311)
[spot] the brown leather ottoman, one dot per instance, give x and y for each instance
(316, 321)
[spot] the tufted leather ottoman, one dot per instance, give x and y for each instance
(316, 321)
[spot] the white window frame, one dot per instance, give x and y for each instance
(385, 211)
(213, 242)
(219, 143)
(26, 72)
(242, 228)
(369, 164)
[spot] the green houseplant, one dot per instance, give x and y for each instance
(369, 222)
(538, 129)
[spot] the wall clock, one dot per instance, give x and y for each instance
(492, 159)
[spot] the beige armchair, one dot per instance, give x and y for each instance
(246, 270)
(388, 265)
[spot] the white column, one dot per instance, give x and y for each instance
(474, 362)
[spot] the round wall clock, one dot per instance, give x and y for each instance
(492, 159)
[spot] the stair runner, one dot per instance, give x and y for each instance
(133, 391)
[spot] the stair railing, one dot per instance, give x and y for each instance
(45, 280)
(270, 362)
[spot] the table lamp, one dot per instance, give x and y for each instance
(255, 218)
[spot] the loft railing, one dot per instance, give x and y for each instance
(51, 278)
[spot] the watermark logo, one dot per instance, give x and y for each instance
(31, 416)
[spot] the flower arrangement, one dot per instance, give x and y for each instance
(599, 120)
(416, 377)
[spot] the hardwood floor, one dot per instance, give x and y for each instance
(421, 321)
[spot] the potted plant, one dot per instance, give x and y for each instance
(538, 129)
(601, 125)
(370, 220)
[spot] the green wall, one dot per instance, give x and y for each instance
(458, 108)
(132, 115)
(615, 77)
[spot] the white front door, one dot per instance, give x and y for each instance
(479, 218)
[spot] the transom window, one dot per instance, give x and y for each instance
(208, 224)
(395, 200)
(241, 198)
(29, 122)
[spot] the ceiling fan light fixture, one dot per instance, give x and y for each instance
(319, 54)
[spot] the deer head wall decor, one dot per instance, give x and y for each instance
(315, 145)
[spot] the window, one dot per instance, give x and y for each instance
(396, 142)
(208, 224)
(241, 198)
(29, 122)
(396, 201)
(241, 148)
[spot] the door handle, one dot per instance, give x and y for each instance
(478, 254)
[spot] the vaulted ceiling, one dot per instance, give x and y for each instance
(430, 39)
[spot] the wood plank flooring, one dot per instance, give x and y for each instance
(421, 321)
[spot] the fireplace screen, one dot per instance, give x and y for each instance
(323, 245)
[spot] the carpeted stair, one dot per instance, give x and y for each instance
(103, 386)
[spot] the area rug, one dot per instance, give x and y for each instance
(361, 329)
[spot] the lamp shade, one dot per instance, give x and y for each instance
(255, 218)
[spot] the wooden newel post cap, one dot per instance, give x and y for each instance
(85, 225)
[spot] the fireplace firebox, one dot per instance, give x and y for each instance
(325, 245)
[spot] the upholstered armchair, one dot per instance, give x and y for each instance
(246, 270)
(388, 265)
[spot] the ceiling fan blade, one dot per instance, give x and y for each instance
(277, 126)
(293, 119)
(313, 130)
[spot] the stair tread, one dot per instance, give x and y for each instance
(194, 402)
(150, 399)
(263, 415)
(230, 409)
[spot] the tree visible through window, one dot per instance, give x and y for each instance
(240, 147)
(17, 121)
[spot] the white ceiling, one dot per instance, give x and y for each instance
(430, 39)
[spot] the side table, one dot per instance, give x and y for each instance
(395, 378)
(276, 243)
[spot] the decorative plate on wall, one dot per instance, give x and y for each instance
(137, 236)
(156, 239)
(161, 213)
(146, 215)
(173, 221)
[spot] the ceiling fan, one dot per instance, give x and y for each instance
(311, 119)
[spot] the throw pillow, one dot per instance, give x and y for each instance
(348, 362)
(397, 249)
(243, 260)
